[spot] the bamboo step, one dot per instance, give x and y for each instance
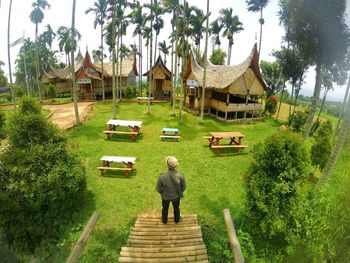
(152, 241)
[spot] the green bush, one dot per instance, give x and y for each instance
(322, 147)
(2, 124)
(129, 93)
(276, 191)
(271, 105)
(51, 93)
(42, 181)
(28, 105)
(297, 120)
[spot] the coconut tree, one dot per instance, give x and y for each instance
(37, 16)
(146, 34)
(9, 53)
(164, 49)
(231, 25)
(258, 6)
(73, 48)
(196, 23)
(215, 32)
(99, 9)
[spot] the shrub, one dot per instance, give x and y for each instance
(51, 93)
(322, 147)
(129, 93)
(271, 105)
(42, 181)
(2, 124)
(297, 120)
(276, 192)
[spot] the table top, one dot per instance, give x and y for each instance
(144, 98)
(125, 123)
(170, 130)
(226, 135)
(118, 159)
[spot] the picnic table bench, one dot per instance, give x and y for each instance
(143, 99)
(216, 137)
(170, 133)
(114, 124)
(127, 161)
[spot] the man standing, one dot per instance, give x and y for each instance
(171, 186)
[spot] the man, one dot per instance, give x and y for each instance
(171, 186)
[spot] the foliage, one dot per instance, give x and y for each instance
(272, 74)
(322, 147)
(19, 90)
(297, 120)
(51, 93)
(199, 57)
(2, 124)
(271, 105)
(129, 93)
(276, 193)
(218, 57)
(3, 79)
(42, 180)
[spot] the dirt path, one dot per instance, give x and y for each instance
(63, 114)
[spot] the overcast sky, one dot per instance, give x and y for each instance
(60, 14)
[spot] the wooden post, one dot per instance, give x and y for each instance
(79, 246)
(234, 243)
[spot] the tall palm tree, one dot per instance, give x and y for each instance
(164, 48)
(231, 25)
(146, 34)
(150, 55)
(196, 21)
(258, 6)
(99, 9)
(76, 110)
(9, 53)
(48, 36)
(215, 32)
(37, 16)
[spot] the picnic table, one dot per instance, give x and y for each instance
(114, 124)
(234, 139)
(127, 161)
(143, 99)
(170, 133)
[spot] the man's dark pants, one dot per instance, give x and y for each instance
(176, 206)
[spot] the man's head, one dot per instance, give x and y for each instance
(172, 162)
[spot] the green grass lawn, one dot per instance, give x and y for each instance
(214, 182)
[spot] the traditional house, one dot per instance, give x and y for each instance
(88, 77)
(160, 78)
(232, 92)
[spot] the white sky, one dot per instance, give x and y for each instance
(60, 14)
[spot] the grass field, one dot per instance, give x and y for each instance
(214, 182)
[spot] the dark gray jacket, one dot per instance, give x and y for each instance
(166, 187)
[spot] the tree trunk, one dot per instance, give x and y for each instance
(261, 25)
(229, 54)
(150, 64)
(343, 132)
(155, 49)
(291, 100)
(140, 63)
(77, 119)
(114, 113)
(343, 106)
(322, 105)
(9, 54)
(281, 99)
(119, 95)
(102, 78)
(174, 77)
(118, 84)
(37, 61)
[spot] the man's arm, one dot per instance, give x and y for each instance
(159, 186)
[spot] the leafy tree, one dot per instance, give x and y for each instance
(320, 41)
(218, 57)
(215, 31)
(322, 147)
(297, 120)
(196, 25)
(271, 105)
(231, 25)
(3, 79)
(275, 187)
(51, 93)
(258, 6)
(271, 72)
(99, 9)
(162, 46)
(42, 180)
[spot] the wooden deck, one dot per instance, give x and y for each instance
(152, 241)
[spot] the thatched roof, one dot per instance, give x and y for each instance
(159, 63)
(219, 76)
(128, 66)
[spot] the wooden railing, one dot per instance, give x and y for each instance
(79, 246)
(234, 243)
(231, 107)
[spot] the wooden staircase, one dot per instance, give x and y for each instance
(152, 241)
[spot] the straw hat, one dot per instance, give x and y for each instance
(172, 162)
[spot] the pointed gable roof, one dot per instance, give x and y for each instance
(220, 76)
(159, 63)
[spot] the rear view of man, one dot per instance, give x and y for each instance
(171, 186)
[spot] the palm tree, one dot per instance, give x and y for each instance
(9, 53)
(146, 34)
(258, 6)
(164, 48)
(150, 59)
(99, 9)
(48, 36)
(215, 31)
(73, 47)
(231, 25)
(37, 16)
(196, 22)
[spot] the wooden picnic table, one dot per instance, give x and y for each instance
(144, 99)
(127, 161)
(235, 140)
(114, 124)
(171, 133)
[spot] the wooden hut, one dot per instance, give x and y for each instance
(232, 92)
(160, 77)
